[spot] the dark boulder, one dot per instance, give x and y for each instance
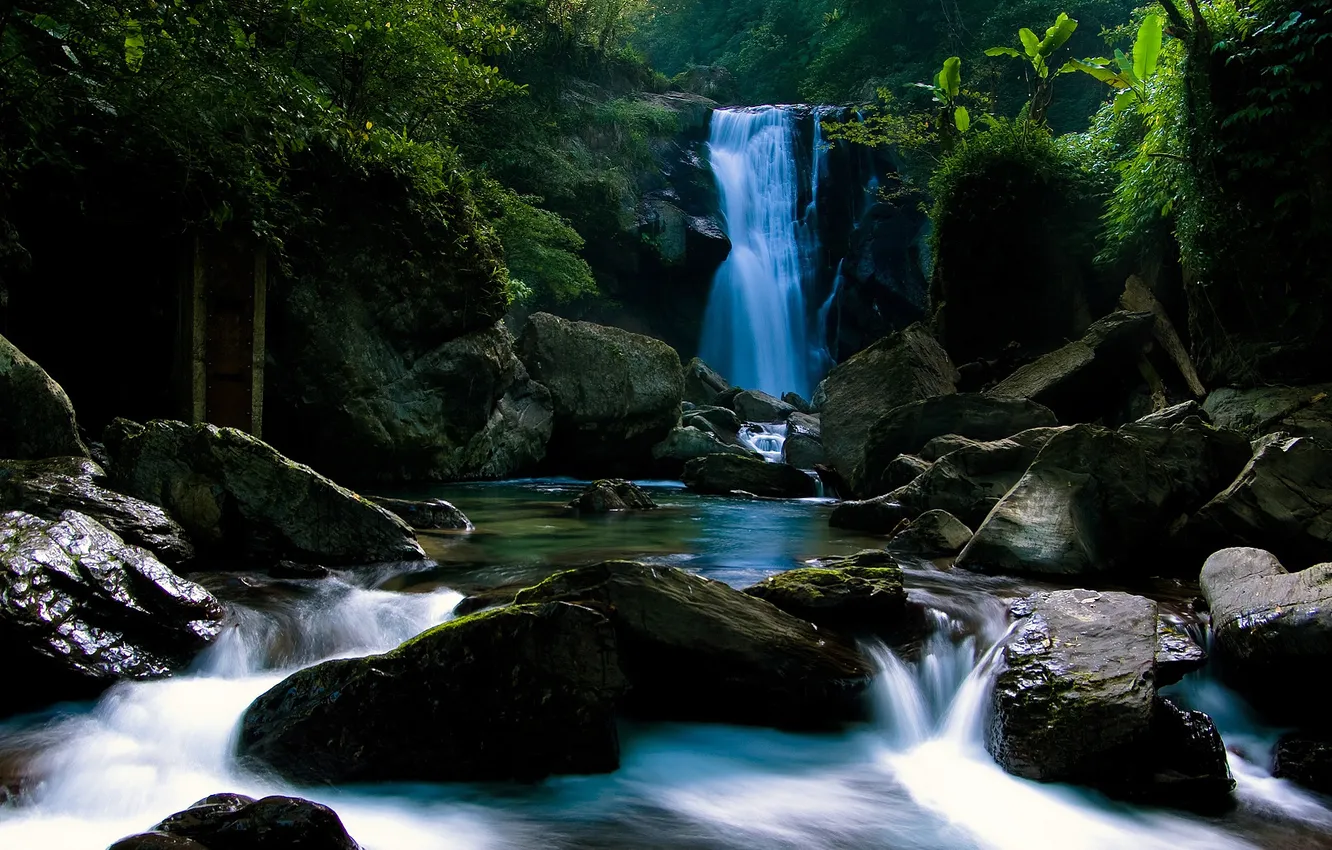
(756, 406)
(904, 430)
(1174, 415)
(239, 498)
(1256, 412)
(880, 515)
(933, 534)
(798, 401)
(904, 469)
(237, 822)
(1189, 769)
(803, 448)
(1305, 759)
(862, 593)
(724, 474)
(36, 417)
(513, 693)
(899, 369)
(616, 394)
(699, 650)
(1177, 653)
(721, 421)
(48, 488)
(425, 514)
(945, 445)
(685, 444)
(81, 610)
(702, 383)
(612, 494)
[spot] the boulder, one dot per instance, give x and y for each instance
(1172, 416)
(803, 448)
(721, 421)
(699, 650)
(616, 394)
(904, 469)
(520, 692)
(425, 514)
(702, 383)
(81, 610)
(756, 406)
(945, 445)
(1270, 627)
(48, 488)
(899, 369)
(905, 429)
(237, 822)
(1305, 759)
(1298, 411)
(862, 593)
(1076, 380)
(724, 474)
(933, 534)
(1177, 653)
(238, 498)
(1076, 702)
(685, 444)
(612, 494)
(880, 515)
(1097, 500)
(798, 401)
(36, 417)
(1281, 501)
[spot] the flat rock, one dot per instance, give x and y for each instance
(610, 495)
(723, 474)
(862, 593)
(425, 514)
(36, 417)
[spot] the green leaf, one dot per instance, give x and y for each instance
(1030, 42)
(1058, 35)
(1105, 75)
(1003, 51)
(950, 78)
(133, 45)
(1147, 50)
(962, 118)
(1123, 62)
(1124, 101)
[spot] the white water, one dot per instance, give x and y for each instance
(754, 329)
(767, 439)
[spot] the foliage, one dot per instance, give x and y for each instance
(1129, 75)
(1038, 53)
(541, 249)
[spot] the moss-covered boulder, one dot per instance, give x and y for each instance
(520, 692)
(237, 822)
(723, 474)
(240, 499)
(36, 417)
(616, 394)
(81, 610)
(862, 593)
(699, 650)
(610, 495)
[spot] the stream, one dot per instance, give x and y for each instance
(917, 778)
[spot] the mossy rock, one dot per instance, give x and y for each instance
(862, 593)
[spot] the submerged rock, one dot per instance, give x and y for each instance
(239, 498)
(699, 650)
(862, 593)
(756, 406)
(520, 692)
(725, 474)
(425, 514)
(612, 494)
(48, 488)
(702, 384)
(81, 610)
(616, 394)
(933, 534)
(36, 417)
(237, 822)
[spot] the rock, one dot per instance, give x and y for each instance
(681, 240)
(1097, 500)
(940, 446)
(905, 429)
(702, 383)
(755, 406)
(1177, 653)
(721, 474)
(48, 488)
(712, 81)
(904, 469)
(933, 534)
(513, 693)
(612, 494)
(616, 394)
(880, 515)
(683, 445)
(1298, 411)
(236, 822)
(899, 369)
(1305, 759)
(798, 401)
(80, 610)
(721, 421)
(803, 448)
(36, 417)
(1073, 380)
(1138, 297)
(425, 514)
(862, 593)
(699, 650)
(1173, 416)
(237, 497)
(1281, 501)
(1270, 627)
(1076, 702)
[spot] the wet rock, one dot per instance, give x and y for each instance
(425, 514)
(36, 417)
(798, 401)
(1298, 411)
(803, 448)
(238, 498)
(904, 430)
(699, 650)
(1172, 416)
(612, 494)
(904, 469)
(1097, 500)
(236, 822)
(48, 488)
(81, 610)
(721, 421)
(862, 593)
(933, 534)
(1189, 767)
(880, 515)
(702, 383)
(295, 570)
(616, 394)
(520, 692)
(1177, 653)
(1281, 501)
(1270, 626)
(686, 444)
(755, 406)
(721, 474)
(1305, 759)
(900, 369)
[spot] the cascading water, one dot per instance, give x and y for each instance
(754, 329)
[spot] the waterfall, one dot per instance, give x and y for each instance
(754, 329)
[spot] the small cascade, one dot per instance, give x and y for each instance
(766, 439)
